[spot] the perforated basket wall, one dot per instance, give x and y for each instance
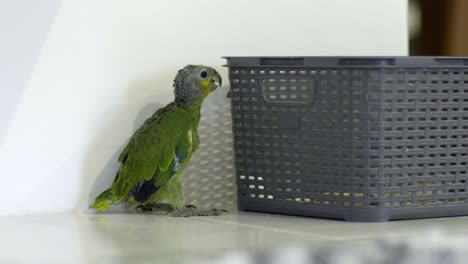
(361, 139)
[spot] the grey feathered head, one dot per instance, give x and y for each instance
(193, 83)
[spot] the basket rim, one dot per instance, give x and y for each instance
(348, 61)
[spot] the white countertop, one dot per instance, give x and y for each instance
(233, 238)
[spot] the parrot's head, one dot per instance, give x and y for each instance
(193, 83)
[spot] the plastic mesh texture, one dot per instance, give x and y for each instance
(208, 181)
(350, 137)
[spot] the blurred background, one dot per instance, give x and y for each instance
(438, 27)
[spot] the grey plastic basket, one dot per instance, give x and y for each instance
(357, 138)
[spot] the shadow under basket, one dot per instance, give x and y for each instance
(365, 139)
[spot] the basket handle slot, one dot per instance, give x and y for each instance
(366, 62)
(282, 61)
(452, 62)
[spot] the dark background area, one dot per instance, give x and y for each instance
(438, 27)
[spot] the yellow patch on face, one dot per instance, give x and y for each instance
(205, 84)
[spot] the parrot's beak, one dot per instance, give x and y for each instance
(216, 79)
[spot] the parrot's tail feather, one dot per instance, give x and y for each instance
(104, 200)
(100, 206)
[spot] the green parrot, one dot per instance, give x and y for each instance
(157, 153)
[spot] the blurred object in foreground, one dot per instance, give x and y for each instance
(438, 28)
(434, 247)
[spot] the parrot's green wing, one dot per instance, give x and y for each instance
(150, 151)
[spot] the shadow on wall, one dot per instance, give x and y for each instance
(100, 164)
(208, 181)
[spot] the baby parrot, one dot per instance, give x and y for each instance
(157, 153)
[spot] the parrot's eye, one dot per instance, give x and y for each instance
(203, 74)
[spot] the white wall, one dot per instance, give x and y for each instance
(106, 65)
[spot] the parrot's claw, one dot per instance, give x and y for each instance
(166, 208)
(187, 212)
(156, 207)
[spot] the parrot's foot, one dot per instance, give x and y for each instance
(162, 207)
(187, 212)
(156, 207)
